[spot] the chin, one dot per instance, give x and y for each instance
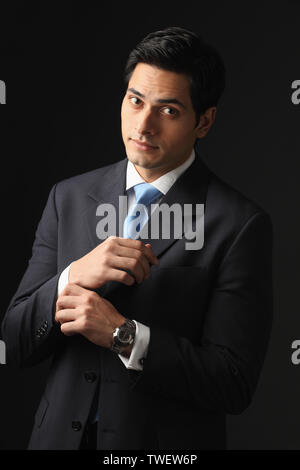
(143, 161)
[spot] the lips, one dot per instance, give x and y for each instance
(143, 145)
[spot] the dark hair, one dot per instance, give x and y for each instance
(182, 51)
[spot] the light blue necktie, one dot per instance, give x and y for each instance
(145, 193)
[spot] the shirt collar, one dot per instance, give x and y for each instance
(164, 182)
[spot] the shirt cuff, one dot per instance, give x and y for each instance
(140, 348)
(63, 280)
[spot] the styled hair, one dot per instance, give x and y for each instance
(182, 51)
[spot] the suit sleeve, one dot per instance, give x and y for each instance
(220, 373)
(28, 328)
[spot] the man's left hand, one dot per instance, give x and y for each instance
(80, 310)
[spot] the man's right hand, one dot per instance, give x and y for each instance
(109, 260)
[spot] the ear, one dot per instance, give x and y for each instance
(205, 122)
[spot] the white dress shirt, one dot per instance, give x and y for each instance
(163, 184)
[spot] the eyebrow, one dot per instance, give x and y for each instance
(164, 100)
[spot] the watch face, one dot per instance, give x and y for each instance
(124, 335)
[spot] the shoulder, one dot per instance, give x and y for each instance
(76, 188)
(86, 180)
(74, 192)
(229, 208)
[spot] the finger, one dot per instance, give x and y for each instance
(139, 245)
(131, 243)
(131, 264)
(66, 315)
(68, 301)
(147, 250)
(122, 276)
(74, 289)
(70, 328)
(135, 254)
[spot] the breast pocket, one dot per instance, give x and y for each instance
(180, 294)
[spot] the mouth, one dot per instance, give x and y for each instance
(143, 145)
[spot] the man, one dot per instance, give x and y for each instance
(152, 343)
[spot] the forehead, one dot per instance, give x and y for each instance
(157, 83)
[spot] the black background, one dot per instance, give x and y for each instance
(63, 70)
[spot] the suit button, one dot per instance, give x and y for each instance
(76, 425)
(90, 376)
(142, 361)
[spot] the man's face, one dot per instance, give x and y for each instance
(158, 119)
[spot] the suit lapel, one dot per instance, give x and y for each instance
(190, 188)
(107, 190)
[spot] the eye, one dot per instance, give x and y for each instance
(169, 111)
(134, 100)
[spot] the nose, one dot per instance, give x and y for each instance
(146, 123)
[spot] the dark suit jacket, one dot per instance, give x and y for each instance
(209, 313)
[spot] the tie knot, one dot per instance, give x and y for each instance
(145, 193)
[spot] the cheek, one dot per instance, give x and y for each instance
(179, 135)
(126, 119)
(122, 113)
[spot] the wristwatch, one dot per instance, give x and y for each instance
(123, 336)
